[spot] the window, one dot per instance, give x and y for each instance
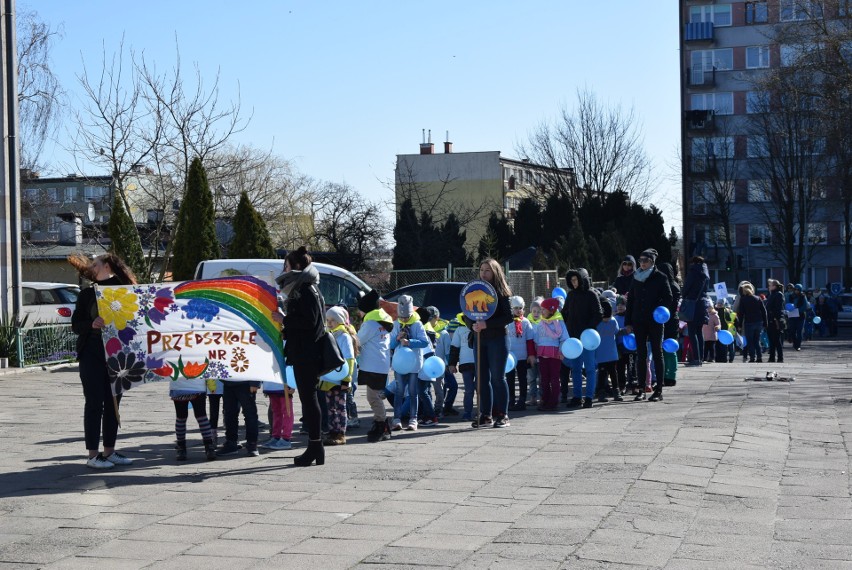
(719, 147)
(797, 10)
(757, 57)
(719, 14)
(51, 194)
(759, 190)
(756, 13)
(759, 234)
(757, 146)
(709, 235)
(791, 54)
(721, 102)
(710, 59)
(70, 193)
(817, 233)
(757, 102)
(94, 192)
(26, 224)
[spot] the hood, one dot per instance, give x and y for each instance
(700, 268)
(632, 260)
(585, 280)
(667, 270)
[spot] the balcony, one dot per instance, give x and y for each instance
(699, 33)
(700, 120)
(699, 77)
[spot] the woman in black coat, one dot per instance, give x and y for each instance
(776, 320)
(304, 324)
(670, 329)
(695, 289)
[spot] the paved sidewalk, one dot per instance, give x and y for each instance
(723, 474)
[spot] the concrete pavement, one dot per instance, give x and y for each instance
(723, 474)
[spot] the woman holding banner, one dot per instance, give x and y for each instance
(304, 324)
(101, 406)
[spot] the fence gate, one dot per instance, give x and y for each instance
(46, 344)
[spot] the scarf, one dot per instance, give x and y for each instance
(291, 282)
(643, 274)
(519, 326)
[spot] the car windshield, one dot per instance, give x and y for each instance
(67, 294)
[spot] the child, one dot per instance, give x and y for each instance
(626, 358)
(607, 356)
(215, 390)
(182, 400)
(533, 374)
(550, 333)
(236, 396)
(462, 360)
(374, 361)
(337, 321)
(711, 329)
(522, 347)
(408, 331)
(281, 410)
(451, 385)
(429, 316)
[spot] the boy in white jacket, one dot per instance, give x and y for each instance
(374, 360)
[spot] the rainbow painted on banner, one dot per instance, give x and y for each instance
(250, 298)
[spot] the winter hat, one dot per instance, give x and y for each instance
(607, 310)
(650, 253)
(516, 302)
(338, 314)
(434, 313)
(536, 302)
(610, 295)
(452, 326)
(369, 301)
(799, 287)
(551, 304)
(405, 306)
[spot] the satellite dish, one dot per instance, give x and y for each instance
(90, 213)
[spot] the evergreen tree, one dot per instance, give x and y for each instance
(125, 238)
(597, 263)
(557, 212)
(528, 224)
(572, 251)
(454, 239)
(251, 238)
(498, 238)
(406, 234)
(195, 239)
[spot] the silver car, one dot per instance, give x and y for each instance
(45, 303)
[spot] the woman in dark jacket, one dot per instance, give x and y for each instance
(695, 289)
(751, 320)
(624, 279)
(101, 406)
(670, 329)
(776, 318)
(582, 311)
(303, 322)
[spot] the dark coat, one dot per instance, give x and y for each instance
(583, 306)
(624, 281)
(671, 327)
(775, 305)
(646, 296)
(695, 289)
(751, 310)
(495, 326)
(304, 324)
(85, 313)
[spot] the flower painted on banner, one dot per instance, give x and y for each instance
(154, 316)
(126, 334)
(125, 370)
(165, 371)
(163, 299)
(152, 362)
(119, 306)
(113, 345)
(201, 309)
(194, 369)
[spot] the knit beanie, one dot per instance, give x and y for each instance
(551, 304)
(338, 314)
(650, 253)
(405, 306)
(369, 301)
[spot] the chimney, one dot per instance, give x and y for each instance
(427, 147)
(448, 146)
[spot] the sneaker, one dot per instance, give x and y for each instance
(228, 448)
(451, 411)
(429, 422)
(118, 459)
(269, 443)
(502, 422)
(396, 425)
(587, 403)
(353, 423)
(282, 445)
(251, 450)
(575, 402)
(484, 421)
(412, 425)
(99, 462)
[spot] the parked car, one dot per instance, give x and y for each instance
(844, 314)
(44, 303)
(442, 295)
(337, 285)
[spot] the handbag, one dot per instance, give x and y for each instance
(330, 357)
(686, 311)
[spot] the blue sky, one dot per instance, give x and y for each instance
(341, 87)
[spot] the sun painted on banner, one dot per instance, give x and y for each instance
(478, 300)
(192, 332)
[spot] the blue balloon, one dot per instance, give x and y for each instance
(572, 348)
(662, 315)
(290, 377)
(725, 337)
(511, 362)
(789, 306)
(434, 367)
(817, 320)
(336, 375)
(559, 292)
(629, 341)
(670, 345)
(590, 339)
(404, 360)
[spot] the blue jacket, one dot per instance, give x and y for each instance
(607, 351)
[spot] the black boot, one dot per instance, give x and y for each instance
(315, 451)
(180, 451)
(386, 430)
(210, 449)
(657, 396)
(376, 432)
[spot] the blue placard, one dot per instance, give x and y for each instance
(836, 288)
(478, 300)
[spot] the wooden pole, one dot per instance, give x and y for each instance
(478, 381)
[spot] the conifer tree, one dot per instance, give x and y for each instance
(125, 238)
(454, 239)
(406, 234)
(195, 239)
(251, 238)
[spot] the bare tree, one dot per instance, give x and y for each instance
(603, 145)
(39, 92)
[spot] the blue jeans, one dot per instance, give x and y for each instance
(493, 388)
(419, 392)
(469, 379)
(752, 336)
(587, 360)
(451, 389)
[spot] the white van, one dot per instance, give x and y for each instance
(337, 285)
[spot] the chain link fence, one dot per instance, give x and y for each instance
(46, 344)
(386, 281)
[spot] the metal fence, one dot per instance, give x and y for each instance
(46, 344)
(386, 281)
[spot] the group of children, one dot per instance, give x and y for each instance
(539, 377)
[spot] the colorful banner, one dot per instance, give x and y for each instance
(190, 333)
(478, 300)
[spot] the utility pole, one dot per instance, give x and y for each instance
(10, 203)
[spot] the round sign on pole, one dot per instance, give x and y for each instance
(478, 300)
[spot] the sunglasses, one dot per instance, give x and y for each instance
(644, 260)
